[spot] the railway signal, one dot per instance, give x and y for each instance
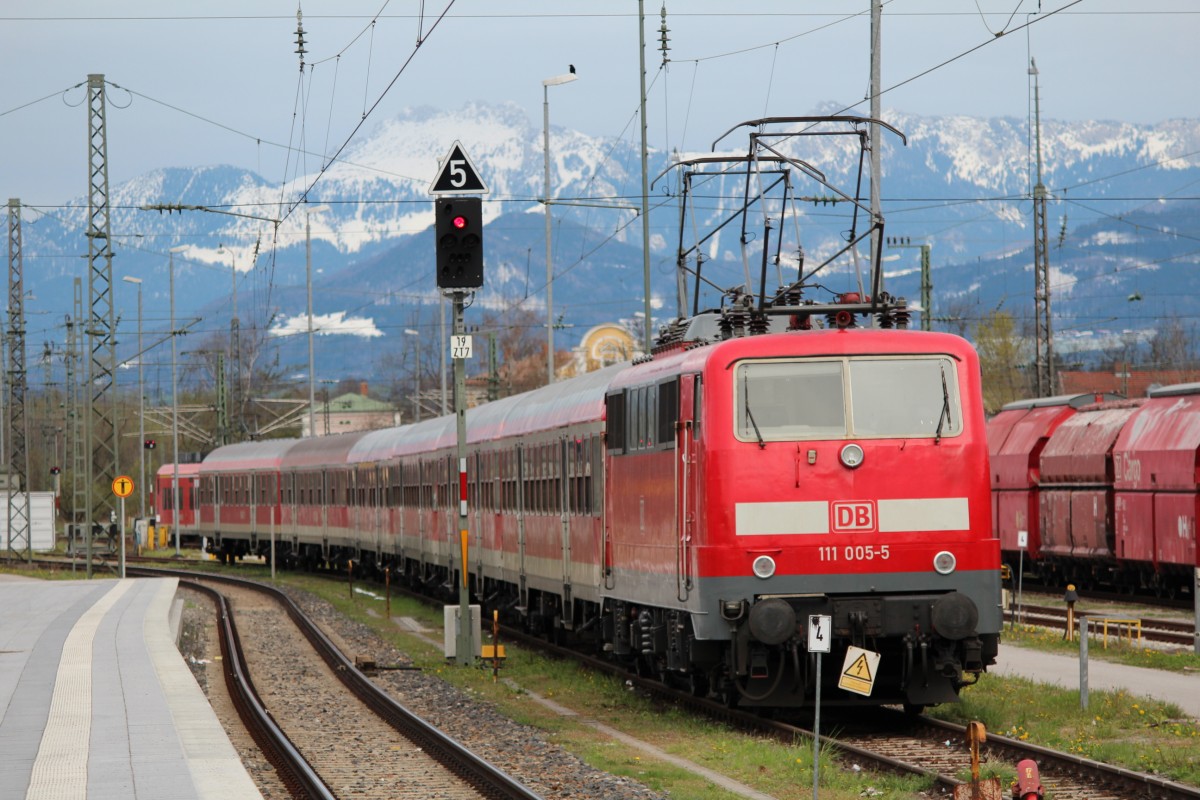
(459, 230)
(458, 227)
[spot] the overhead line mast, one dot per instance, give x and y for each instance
(1043, 331)
(102, 347)
(19, 542)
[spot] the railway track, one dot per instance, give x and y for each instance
(1150, 629)
(297, 776)
(411, 752)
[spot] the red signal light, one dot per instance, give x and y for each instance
(459, 222)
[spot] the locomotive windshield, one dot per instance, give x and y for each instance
(870, 396)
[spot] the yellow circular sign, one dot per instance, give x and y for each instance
(122, 486)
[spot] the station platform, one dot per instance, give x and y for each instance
(1182, 689)
(96, 702)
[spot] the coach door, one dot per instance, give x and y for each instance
(561, 483)
(520, 492)
(686, 481)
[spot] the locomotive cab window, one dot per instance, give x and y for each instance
(870, 396)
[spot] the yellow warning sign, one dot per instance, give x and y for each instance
(122, 486)
(859, 670)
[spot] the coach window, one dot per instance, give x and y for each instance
(552, 463)
(534, 505)
(556, 476)
(639, 417)
(667, 409)
(533, 479)
(538, 474)
(543, 474)
(614, 407)
(697, 406)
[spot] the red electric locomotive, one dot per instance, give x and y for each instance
(838, 473)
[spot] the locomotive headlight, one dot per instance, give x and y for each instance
(944, 562)
(764, 566)
(852, 455)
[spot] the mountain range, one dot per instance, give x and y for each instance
(1123, 228)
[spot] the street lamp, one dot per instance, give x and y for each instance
(174, 401)
(417, 373)
(235, 343)
(558, 80)
(141, 403)
(312, 389)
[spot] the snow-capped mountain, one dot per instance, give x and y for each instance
(960, 184)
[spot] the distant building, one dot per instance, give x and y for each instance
(351, 412)
(1124, 380)
(602, 346)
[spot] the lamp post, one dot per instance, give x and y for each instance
(312, 387)
(235, 347)
(557, 80)
(174, 401)
(141, 404)
(417, 373)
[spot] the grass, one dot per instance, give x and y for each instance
(1119, 650)
(783, 771)
(1117, 728)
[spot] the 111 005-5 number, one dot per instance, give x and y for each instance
(854, 552)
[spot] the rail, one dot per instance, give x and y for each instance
(471, 768)
(294, 770)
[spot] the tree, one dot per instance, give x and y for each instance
(1173, 346)
(521, 348)
(1002, 356)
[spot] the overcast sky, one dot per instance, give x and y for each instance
(218, 81)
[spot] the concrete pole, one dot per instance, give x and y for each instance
(876, 138)
(549, 253)
(647, 338)
(312, 390)
(174, 410)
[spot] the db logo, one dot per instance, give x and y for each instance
(853, 517)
